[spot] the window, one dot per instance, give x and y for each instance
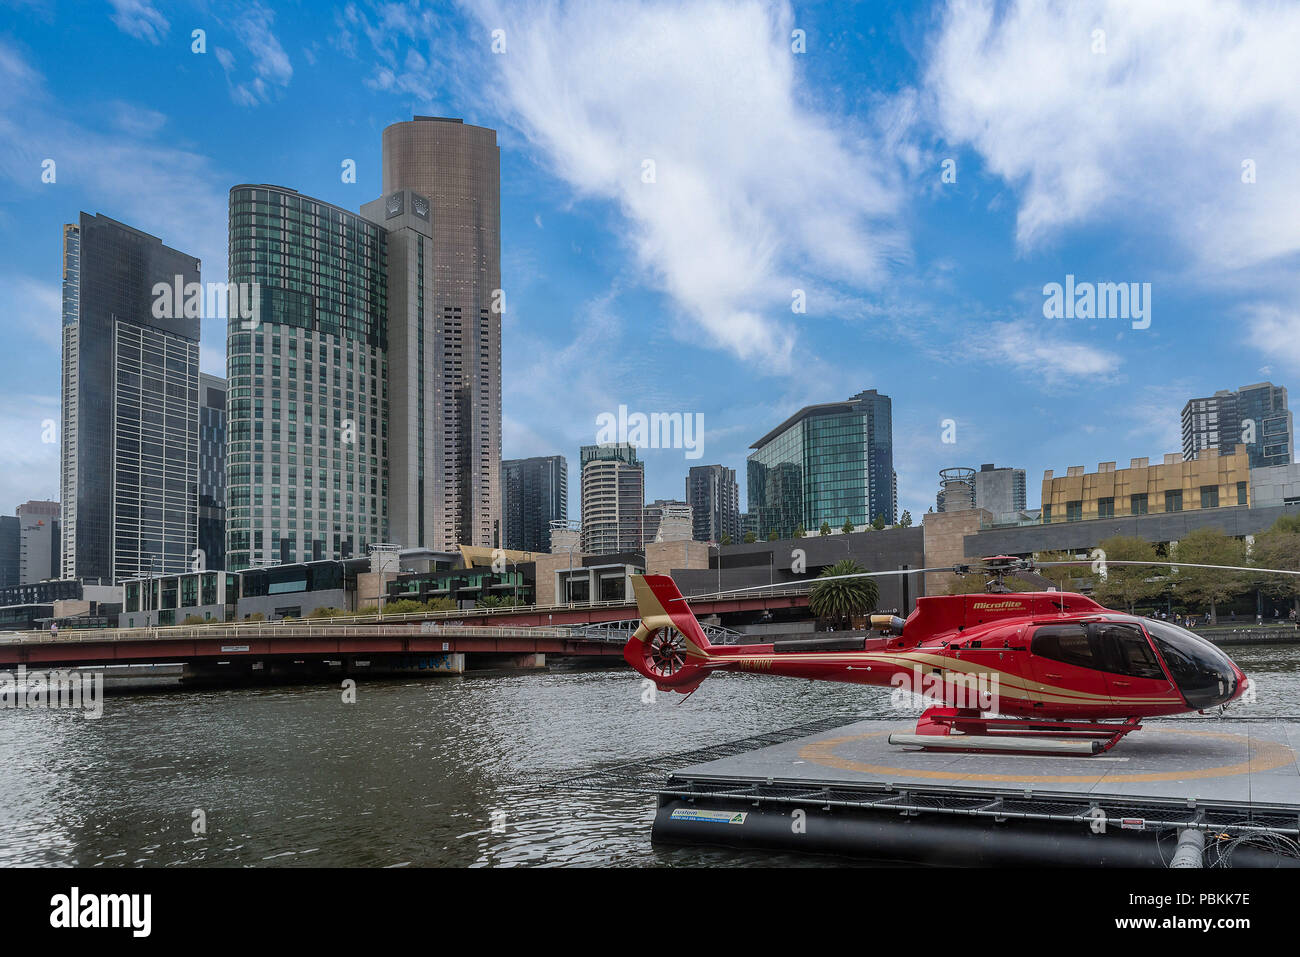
(1068, 644)
(1126, 651)
(1074, 511)
(1138, 504)
(1209, 496)
(1174, 500)
(1241, 493)
(1105, 508)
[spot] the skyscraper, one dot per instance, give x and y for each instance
(447, 385)
(826, 463)
(38, 549)
(212, 471)
(130, 403)
(536, 493)
(306, 407)
(613, 499)
(714, 497)
(667, 520)
(1255, 416)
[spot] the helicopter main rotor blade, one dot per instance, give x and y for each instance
(1176, 564)
(813, 581)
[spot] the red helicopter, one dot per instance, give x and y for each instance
(1024, 672)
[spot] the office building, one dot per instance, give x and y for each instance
(1175, 485)
(667, 520)
(714, 497)
(130, 403)
(536, 494)
(38, 546)
(306, 405)
(1255, 416)
(442, 194)
(212, 472)
(826, 463)
(1000, 491)
(613, 499)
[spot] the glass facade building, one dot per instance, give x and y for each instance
(130, 404)
(212, 470)
(307, 396)
(442, 205)
(1255, 416)
(714, 497)
(827, 463)
(536, 493)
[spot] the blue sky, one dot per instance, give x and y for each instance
(1102, 140)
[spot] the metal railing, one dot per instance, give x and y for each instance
(339, 624)
(290, 629)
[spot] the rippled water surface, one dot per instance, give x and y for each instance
(413, 773)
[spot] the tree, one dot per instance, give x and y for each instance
(440, 603)
(846, 598)
(905, 521)
(825, 529)
(750, 538)
(976, 582)
(1066, 578)
(1209, 586)
(1279, 547)
(848, 527)
(799, 531)
(1126, 585)
(772, 536)
(878, 523)
(403, 606)
(725, 540)
(255, 616)
(498, 601)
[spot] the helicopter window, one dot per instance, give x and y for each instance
(1126, 650)
(1065, 643)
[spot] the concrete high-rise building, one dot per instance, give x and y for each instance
(130, 404)
(306, 445)
(38, 546)
(212, 471)
(613, 499)
(442, 199)
(536, 494)
(667, 520)
(714, 497)
(1001, 491)
(826, 463)
(1255, 416)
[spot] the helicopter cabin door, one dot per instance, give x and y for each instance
(1068, 667)
(1133, 672)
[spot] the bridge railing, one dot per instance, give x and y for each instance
(292, 629)
(346, 625)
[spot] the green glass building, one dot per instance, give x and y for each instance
(307, 401)
(826, 463)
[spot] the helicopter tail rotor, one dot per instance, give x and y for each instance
(669, 647)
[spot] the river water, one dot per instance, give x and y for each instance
(419, 773)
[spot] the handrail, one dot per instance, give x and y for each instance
(292, 627)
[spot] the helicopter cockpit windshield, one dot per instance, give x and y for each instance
(1204, 674)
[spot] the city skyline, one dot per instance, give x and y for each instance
(584, 244)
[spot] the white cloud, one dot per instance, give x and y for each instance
(1150, 134)
(140, 19)
(36, 308)
(1036, 347)
(755, 192)
(1275, 330)
(271, 65)
(31, 465)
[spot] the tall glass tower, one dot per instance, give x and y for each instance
(826, 463)
(130, 404)
(442, 194)
(306, 400)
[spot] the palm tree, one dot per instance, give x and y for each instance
(846, 598)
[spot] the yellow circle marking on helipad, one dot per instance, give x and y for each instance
(1265, 756)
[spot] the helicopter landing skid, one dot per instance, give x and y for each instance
(963, 729)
